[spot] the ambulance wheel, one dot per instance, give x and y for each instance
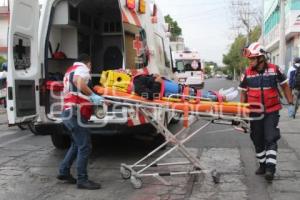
(22, 127)
(60, 140)
(125, 173)
(40, 129)
(32, 128)
(136, 182)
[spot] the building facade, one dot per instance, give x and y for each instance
(271, 29)
(4, 22)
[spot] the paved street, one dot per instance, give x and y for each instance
(28, 166)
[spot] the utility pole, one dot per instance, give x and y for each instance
(282, 42)
(263, 25)
(242, 11)
(242, 16)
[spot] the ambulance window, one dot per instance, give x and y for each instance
(73, 12)
(180, 66)
(143, 34)
(118, 27)
(85, 19)
(144, 56)
(21, 52)
(112, 27)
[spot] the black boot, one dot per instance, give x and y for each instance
(89, 185)
(269, 176)
(67, 179)
(261, 170)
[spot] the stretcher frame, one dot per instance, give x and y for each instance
(135, 172)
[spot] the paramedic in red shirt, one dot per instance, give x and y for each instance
(259, 88)
(78, 102)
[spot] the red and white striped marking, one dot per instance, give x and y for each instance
(131, 17)
(135, 119)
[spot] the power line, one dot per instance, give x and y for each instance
(243, 9)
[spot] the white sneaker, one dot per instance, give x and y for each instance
(231, 96)
(224, 92)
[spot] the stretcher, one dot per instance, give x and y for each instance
(230, 113)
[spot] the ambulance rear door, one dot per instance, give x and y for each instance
(24, 70)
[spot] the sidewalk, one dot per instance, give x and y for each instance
(287, 183)
(290, 130)
(238, 179)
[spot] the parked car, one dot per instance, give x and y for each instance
(229, 77)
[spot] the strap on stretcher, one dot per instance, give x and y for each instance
(219, 97)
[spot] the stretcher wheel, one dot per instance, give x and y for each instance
(216, 176)
(125, 173)
(136, 182)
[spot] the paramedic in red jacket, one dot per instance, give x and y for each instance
(78, 102)
(259, 88)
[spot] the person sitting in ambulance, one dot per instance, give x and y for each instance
(150, 86)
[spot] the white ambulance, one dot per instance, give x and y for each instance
(187, 68)
(44, 40)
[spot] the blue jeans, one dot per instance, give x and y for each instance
(209, 95)
(80, 147)
(173, 88)
(206, 94)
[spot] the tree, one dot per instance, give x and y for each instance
(207, 70)
(234, 59)
(2, 60)
(246, 16)
(176, 31)
(211, 63)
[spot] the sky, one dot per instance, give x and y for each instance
(207, 24)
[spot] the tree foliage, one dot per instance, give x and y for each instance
(175, 28)
(233, 59)
(2, 60)
(208, 69)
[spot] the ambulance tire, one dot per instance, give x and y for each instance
(33, 129)
(60, 140)
(199, 86)
(22, 127)
(202, 86)
(40, 129)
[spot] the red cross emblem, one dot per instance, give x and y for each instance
(138, 45)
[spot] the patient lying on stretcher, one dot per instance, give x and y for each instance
(151, 86)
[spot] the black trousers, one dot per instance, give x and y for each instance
(265, 134)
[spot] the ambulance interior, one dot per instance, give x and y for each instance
(90, 26)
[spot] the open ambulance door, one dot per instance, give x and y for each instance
(23, 62)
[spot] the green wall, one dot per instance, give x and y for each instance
(274, 18)
(295, 4)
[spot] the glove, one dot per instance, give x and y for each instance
(96, 99)
(291, 111)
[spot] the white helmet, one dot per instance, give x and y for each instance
(254, 50)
